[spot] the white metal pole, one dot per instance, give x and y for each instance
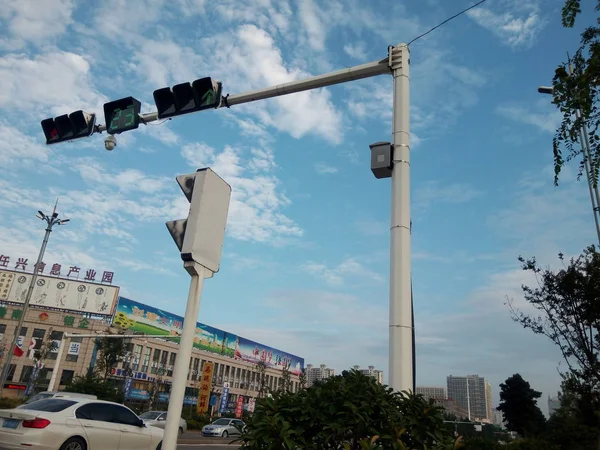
(468, 399)
(180, 371)
(61, 349)
(401, 326)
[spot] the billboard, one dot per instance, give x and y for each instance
(58, 293)
(141, 318)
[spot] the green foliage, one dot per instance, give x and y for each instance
(92, 383)
(9, 403)
(110, 352)
(518, 403)
(576, 88)
(569, 315)
(351, 412)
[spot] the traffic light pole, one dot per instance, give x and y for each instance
(401, 359)
(180, 371)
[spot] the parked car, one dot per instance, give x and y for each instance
(57, 394)
(75, 423)
(224, 427)
(159, 419)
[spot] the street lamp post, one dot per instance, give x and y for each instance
(50, 221)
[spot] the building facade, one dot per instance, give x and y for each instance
(148, 362)
(436, 392)
(451, 407)
(472, 393)
(371, 372)
(314, 374)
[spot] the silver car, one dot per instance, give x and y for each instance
(224, 427)
(159, 419)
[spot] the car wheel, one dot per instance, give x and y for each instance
(74, 443)
(180, 431)
(225, 434)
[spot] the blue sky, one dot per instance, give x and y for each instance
(306, 255)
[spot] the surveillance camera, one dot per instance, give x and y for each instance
(110, 142)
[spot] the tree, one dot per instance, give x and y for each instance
(569, 304)
(351, 411)
(93, 383)
(110, 352)
(578, 90)
(261, 378)
(286, 379)
(518, 403)
(302, 379)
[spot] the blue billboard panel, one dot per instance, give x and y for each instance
(140, 318)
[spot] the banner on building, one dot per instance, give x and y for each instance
(224, 398)
(58, 293)
(140, 318)
(239, 407)
(205, 387)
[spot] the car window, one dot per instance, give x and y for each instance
(221, 422)
(125, 416)
(163, 416)
(48, 405)
(102, 412)
(37, 397)
(150, 415)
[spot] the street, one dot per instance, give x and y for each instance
(193, 440)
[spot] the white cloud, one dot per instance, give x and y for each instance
(356, 51)
(542, 116)
(55, 82)
(518, 27)
(325, 169)
(313, 24)
(432, 192)
(127, 180)
(255, 210)
(348, 272)
(36, 20)
(18, 149)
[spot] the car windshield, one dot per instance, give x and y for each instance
(48, 405)
(150, 415)
(221, 422)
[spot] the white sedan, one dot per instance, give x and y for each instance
(75, 423)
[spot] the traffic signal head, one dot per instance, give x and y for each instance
(199, 237)
(67, 127)
(184, 98)
(122, 115)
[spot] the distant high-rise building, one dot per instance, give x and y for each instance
(553, 404)
(371, 372)
(474, 394)
(428, 392)
(451, 407)
(497, 418)
(317, 373)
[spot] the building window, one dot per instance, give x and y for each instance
(66, 377)
(146, 359)
(55, 337)
(2, 331)
(26, 374)
(237, 377)
(195, 369)
(38, 333)
(137, 356)
(171, 364)
(11, 372)
(226, 374)
(73, 357)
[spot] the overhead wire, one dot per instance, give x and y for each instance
(446, 21)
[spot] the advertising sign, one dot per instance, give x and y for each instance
(58, 293)
(239, 407)
(137, 317)
(224, 398)
(251, 405)
(205, 387)
(128, 383)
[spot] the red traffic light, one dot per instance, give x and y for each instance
(76, 125)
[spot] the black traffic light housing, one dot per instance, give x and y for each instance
(68, 127)
(184, 98)
(122, 115)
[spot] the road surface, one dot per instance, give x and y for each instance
(193, 440)
(205, 447)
